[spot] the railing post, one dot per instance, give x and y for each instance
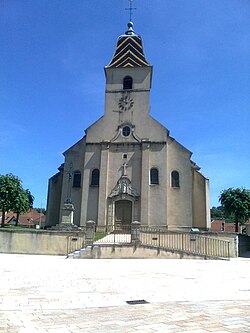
(68, 245)
(228, 250)
(90, 232)
(135, 232)
(206, 251)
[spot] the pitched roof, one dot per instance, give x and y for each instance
(29, 218)
(8, 216)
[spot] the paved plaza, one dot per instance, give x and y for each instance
(57, 295)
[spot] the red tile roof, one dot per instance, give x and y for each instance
(30, 218)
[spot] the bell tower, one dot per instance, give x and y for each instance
(128, 76)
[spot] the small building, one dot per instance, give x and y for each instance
(8, 217)
(222, 225)
(29, 219)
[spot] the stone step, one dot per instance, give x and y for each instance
(80, 254)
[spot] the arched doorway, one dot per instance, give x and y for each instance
(123, 212)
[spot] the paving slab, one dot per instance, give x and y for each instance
(53, 294)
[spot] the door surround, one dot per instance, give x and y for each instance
(123, 212)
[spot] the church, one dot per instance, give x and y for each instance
(127, 167)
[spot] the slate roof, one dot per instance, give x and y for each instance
(129, 51)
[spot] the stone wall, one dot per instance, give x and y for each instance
(127, 251)
(54, 197)
(201, 205)
(40, 242)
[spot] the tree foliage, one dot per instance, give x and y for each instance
(236, 204)
(40, 210)
(13, 196)
(23, 202)
(217, 212)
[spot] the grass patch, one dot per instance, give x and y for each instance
(13, 227)
(99, 235)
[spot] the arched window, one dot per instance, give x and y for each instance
(77, 179)
(127, 82)
(95, 177)
(175, 179)
(154, 176)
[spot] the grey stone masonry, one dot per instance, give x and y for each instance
(135, 232)
(67, 214)
(66, 223)
(90, 232)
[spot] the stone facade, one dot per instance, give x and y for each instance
(127, 167)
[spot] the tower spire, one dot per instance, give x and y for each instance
(129, 49)
(131, 8)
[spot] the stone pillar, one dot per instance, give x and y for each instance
(90, 232)
(67, 214)
(145, 204)
(135, 232)
(104, 168)
(85, 187)
(66, 222)
(208, 217)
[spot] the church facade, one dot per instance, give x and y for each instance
(127, 167)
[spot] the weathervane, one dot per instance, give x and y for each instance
(130, 9)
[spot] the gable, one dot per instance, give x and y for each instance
(107, 128)
(75, 147)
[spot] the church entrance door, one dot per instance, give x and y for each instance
(123, 212)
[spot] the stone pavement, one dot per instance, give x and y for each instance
(51, 294)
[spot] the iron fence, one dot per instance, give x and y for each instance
(161, 238)
(118, 234)
(187, 242)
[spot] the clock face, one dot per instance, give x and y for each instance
(125, 103)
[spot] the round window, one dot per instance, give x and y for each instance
(126, 131)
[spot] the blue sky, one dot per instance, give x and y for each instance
(52, 81)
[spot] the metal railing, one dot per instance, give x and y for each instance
(161, 238)
(118, 234)
(186, 242)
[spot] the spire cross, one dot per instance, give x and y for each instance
(130, 9)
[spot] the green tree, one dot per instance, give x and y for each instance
(13, 196)
(10, 186)
(40, 210)
(23, 202)
(236, 204)
(217, 212)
